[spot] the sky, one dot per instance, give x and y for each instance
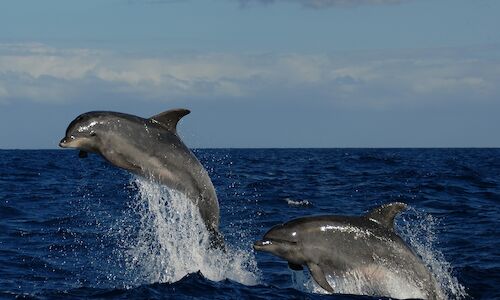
(257, 73)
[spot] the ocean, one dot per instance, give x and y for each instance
(80, 228)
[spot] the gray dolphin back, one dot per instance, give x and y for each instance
(385, 214)
(170, 118)
(191, 177)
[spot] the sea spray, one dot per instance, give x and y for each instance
(418, 229)
(169, 240)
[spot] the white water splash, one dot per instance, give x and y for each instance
(303, 203)
(170, 241)
(419, 231)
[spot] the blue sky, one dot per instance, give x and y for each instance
(257, 73)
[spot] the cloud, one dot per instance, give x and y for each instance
(318, 4)
(39, 73)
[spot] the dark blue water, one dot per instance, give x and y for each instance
(74, 227)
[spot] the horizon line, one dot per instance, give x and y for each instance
(284, 148)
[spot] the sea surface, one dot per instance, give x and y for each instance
(81, 228)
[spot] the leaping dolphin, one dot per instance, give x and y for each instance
(150, 148)
(365, 247)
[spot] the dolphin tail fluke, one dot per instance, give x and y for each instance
(319, 277)
(385, 214)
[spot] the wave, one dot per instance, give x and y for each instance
(192, 286)
(298, 203)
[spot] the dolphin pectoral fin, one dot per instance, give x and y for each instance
(170, 118)
(385, 214)
(319, 277)
(295, 267)
(82, 154)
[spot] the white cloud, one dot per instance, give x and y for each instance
(37, 72)
(306, 3)
(426, 86)
(328, 3)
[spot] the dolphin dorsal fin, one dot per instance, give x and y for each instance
(385, 214)
(170, 118)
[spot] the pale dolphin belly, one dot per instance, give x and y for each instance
(171, 170)
(375, 280)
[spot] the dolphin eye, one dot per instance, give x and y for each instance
(92, 133)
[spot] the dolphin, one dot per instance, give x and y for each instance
(364, 249)
(151, 148)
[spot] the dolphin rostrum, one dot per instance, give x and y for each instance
(365, 247)
(150, 148)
